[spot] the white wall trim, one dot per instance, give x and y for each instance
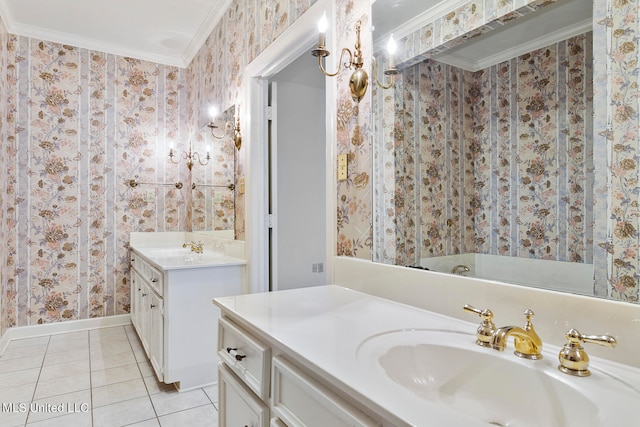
(505, 55)
(33, 331)
(293, 42)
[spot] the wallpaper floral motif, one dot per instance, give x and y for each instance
(4, 183)
(504, 157)
(84, 124)
(354, 210)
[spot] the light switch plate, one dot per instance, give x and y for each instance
(342, 167)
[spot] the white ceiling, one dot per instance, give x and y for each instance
(164, 31)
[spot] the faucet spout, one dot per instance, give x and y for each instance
(526, 341)
(195, 246)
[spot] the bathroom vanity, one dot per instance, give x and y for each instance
(171, 292)
(334, 356)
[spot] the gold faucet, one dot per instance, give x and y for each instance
(487, 328)
(573, 359)
(195, 246)
(526, 341)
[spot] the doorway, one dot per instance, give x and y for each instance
(297, 176)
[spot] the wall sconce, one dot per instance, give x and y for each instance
(237, 136)
(189, 156)
(392, 69)
(359, 79)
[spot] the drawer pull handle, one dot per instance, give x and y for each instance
(234, 353)
(144, 295)
(154, 280)
(153, 306)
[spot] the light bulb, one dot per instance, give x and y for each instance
(213, 112)
(323, 23)
(391, 45)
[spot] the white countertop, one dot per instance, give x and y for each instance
(324, 327)
(175, 257)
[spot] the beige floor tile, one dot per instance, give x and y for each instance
(60, 405)
(68, 345)
(173, 401)
(13, 352)
(212, 393)
(148, 423)
(17, 378)
(145, 368)
(108, 361)
(202, 416)
(154, 386)
(61, 370)
(115, 375)
(124, 413)
(56, 358)
(112, 330)
(20, 364)
(14, 416)
(63, 385)
(28, 342)
(20, 393)
(76, 419)
(69, 336)
(118, 392)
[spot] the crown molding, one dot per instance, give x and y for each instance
(521, 49)
(214, 17)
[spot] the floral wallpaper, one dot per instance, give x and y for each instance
(504, 158)
(4, 184)
(84, 123)
(354, 209)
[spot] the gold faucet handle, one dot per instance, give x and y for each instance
(574, 360)
(485, 331)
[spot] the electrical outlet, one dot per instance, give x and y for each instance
(150, 196)
(342, 167)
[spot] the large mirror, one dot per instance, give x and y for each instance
(217, 188)
(484, 150)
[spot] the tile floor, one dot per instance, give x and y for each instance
(93, 378)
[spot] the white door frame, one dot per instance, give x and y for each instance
(286, 48)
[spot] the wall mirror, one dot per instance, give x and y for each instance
(484, 151)
(215, 208)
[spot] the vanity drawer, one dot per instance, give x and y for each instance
(247, 357)
(147, 272)
(300, 401)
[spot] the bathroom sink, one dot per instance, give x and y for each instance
(495, 388)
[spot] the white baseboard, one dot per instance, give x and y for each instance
(61, 328)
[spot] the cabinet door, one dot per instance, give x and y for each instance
(144, 315)
(136, 283)
(156, 333)
(238, 406)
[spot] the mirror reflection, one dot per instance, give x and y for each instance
(484, 153)
(214, 187)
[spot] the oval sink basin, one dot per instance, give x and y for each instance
(495, 388)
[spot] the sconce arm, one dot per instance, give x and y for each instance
(375, 76)
(347, 64)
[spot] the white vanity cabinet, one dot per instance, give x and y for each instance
(258, 380)
(172, 313)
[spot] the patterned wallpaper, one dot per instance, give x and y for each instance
(497, 161)
(82, 124)
(4, 182)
